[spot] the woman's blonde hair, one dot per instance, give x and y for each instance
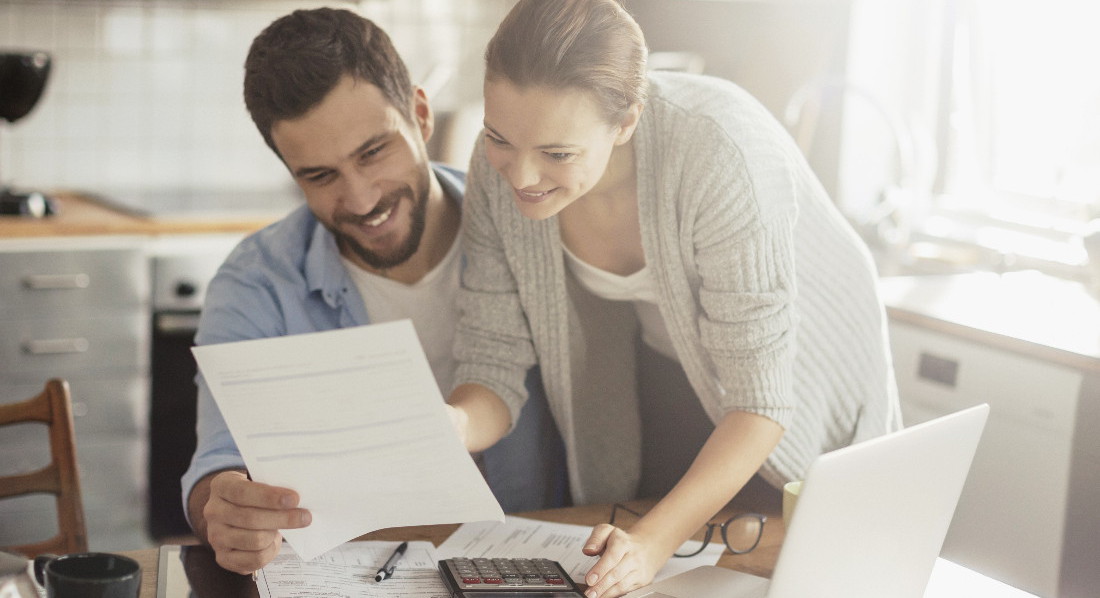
(591, 45)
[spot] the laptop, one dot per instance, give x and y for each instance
(870, 522)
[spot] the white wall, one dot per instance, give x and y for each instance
(147, 93)
(772, 48)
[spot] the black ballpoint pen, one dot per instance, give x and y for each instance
(391, 564)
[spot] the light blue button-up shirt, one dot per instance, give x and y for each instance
(288, 279)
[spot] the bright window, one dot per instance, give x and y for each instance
(1021, 163)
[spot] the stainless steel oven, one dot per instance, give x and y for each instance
(182, 267)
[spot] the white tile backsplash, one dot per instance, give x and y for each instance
(147, 93)
(124, 31)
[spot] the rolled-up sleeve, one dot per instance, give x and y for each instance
(744, 251)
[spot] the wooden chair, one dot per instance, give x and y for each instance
(60, 478)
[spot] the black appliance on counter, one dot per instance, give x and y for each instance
(23, 78)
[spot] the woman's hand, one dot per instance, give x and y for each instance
(627, 561)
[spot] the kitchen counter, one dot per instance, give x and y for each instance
(1024, 312)
(82, 216)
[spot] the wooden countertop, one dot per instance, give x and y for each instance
(82, 216)
(1023, 312)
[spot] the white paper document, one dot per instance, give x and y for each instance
(353, 421)
(519, 537)
(349, 570)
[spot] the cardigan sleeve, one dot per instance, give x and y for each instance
(742, 220)
(493, 342)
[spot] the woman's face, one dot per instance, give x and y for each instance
(552, 146)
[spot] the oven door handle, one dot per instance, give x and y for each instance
(177, 323)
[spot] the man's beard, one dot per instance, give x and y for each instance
(401, 253)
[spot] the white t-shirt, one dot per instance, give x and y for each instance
(638, 288)
(431, 303)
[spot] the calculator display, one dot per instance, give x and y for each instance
(506, 578)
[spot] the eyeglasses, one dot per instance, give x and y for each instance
(740, 533)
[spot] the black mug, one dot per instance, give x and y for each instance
(88, 575)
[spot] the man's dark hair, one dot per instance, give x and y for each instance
(299, 58)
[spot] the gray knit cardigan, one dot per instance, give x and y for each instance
(768, 294)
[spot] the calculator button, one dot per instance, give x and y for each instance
(491, 580)
(471, 580)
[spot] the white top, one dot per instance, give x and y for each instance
(638, 288)
(431, 303)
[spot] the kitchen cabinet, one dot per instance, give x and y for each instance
(77, 300)
(79, 309)
(1029, 345)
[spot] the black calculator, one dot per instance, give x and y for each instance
(506, 578)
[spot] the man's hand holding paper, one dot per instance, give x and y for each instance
(243, 519)
(357, 406)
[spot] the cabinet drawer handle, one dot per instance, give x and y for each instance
(41, 282)
(52, 346)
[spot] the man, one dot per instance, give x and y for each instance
(376, 241)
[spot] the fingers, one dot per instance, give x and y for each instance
(248, 561)
(244, 518)
(623, 564)
(239, 502)
(628, 583)
(236, 488)
(613, 543)
(625, 576)
(598, 539)
(610, 569)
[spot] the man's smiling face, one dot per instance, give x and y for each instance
(364, 170)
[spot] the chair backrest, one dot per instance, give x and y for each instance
(53, 408)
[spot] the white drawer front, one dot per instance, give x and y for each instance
(34, 350)
(67, 283)
(1027, 390)
(100, 406)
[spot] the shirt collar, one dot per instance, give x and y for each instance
(323, 271)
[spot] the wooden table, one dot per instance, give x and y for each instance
(758, 562)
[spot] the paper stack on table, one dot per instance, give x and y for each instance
(349, 571)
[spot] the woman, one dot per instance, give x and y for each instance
(630, 231)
